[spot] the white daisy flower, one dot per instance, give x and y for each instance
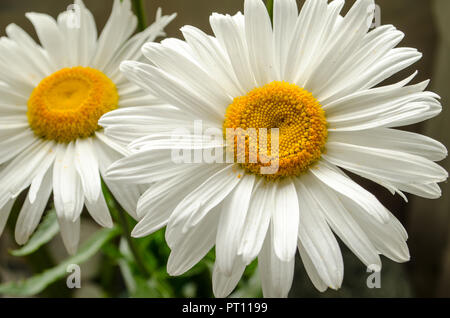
(51, 97)
(315, 76)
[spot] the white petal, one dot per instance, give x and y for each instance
(86, 164)
(194, 245)
(387, 106)
(389, 239)
(50, 37)
(311, 269)
(224, 284)
(5, 210)
(231, 223)
(157, 204)
(195, 206)
(19, 172)
(33, 50)
(341, 221)
(231, 37)
(67, 190)
(276, 275)
(258, 31)
(31, 212)
(70, 233)
(339, 182)
(131, 50)
(170, 89)
(384, 164)
(393, 139)
(119, 27)
(341, 41)
(213, 58)
(126, 195)
(311, 27)
(257, 221)
(145, 167)
(12, 145)
(285, 15)
(374, 47)
(285, 220)
(99, 211)
(318, 240)
(187, 71)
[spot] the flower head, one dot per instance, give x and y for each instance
(51, 98)
(316, 77)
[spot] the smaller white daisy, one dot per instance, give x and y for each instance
(51, 97)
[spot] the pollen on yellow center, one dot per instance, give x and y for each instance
(296, 113)
(67, 105)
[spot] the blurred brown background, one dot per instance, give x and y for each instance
(427, 28)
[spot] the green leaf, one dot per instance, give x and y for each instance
(36, 284)
(46, 231)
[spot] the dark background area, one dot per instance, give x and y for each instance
(427, 28)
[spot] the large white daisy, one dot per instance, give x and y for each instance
(51, 97)
(316, 76)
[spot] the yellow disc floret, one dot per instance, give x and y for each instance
(68, 104)
(301, 123)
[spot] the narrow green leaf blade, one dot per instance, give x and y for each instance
(36, 284)
(46, 231)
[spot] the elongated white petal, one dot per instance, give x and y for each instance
(5, 210)
(389, 239)
(50, 37)
(285, 220)
(311, 269)
(224, 284)
(121, 24)
(86, 165)
(194, 245)
(31, 212)
(394, 139)
(232, 39)
(157, 204)
(70, 233)
(341, 222)
(258, 32)
(187, 71)
(276, 275)
(196, 205)
(285, 14)
(67, 190)
(318, 240)
(126, 195)
(231, 224)
(213, 58)
(337, 181)
(99, 211)
(257, 222)
(384, 164)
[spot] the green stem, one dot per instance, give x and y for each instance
(122, 218)
(269, 5)
(138, 6)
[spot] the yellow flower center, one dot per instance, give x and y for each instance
(68, 104)
(301, 123)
